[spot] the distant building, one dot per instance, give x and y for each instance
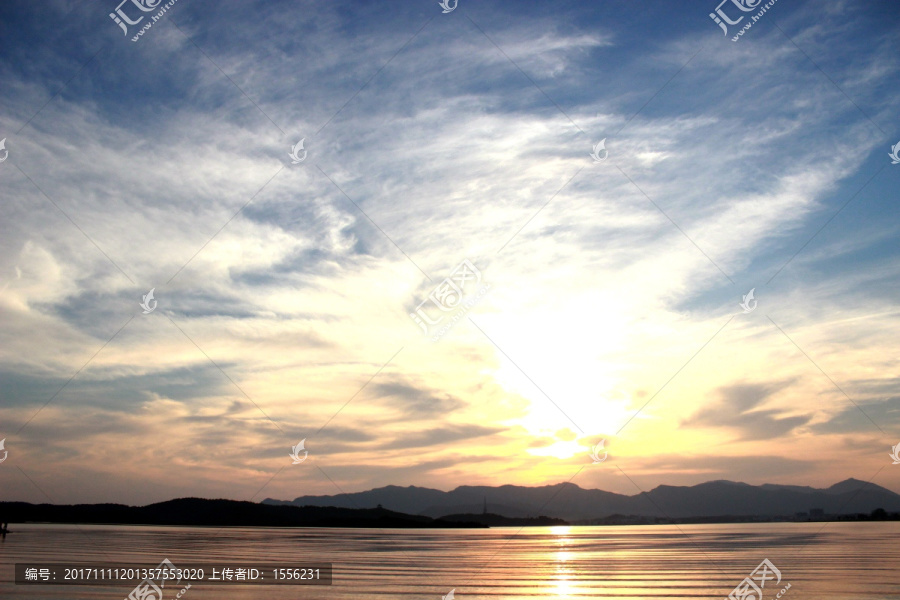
(802, 515)
(816, 513)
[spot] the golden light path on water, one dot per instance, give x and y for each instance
(564, 587)
(837, 561)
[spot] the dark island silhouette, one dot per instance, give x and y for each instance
(493, 520)
(219, 513)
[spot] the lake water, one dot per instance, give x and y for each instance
(830, 561)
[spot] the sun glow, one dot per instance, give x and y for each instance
(560, 449)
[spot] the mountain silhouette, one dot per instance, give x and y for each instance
(572, 503)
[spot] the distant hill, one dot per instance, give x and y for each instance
(506, 500)
(569, 502)
(219, 513)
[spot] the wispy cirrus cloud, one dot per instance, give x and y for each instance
(740, 406)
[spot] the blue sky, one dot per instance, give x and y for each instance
(284, 290)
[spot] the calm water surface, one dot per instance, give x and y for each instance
(829, 561)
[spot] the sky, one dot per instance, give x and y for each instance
(450, 281)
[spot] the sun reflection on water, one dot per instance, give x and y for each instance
(562, 583)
